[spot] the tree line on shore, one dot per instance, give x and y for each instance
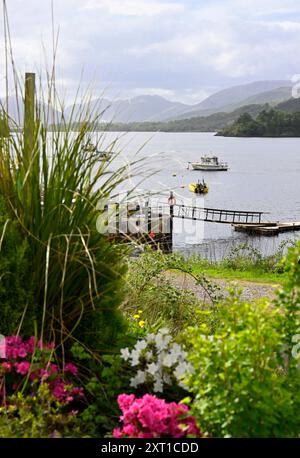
(268, 123)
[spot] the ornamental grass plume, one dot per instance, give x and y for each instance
(70, 283)
(150, 417)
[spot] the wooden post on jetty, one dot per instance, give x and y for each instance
(29, 118)
(171, 201)
(31, 157)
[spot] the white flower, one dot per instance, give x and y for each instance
(152, 368)
(149, 355)
(169, 360)
(176, 349)
(181, 370)
(162, 341)
(141, 345)
(135, 357)
(138, 379)
(158, 386)
(150, 338)
(125, 353)
(160, 357)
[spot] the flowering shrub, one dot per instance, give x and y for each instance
(150, 417)
(38, 416)
(158, 361)
(30, 360)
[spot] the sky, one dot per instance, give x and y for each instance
(181, 49)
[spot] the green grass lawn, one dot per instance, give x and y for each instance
(255, 275)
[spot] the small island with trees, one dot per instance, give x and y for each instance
(268, 123)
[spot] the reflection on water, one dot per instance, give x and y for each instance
(216, 250)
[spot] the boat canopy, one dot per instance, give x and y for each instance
(210, 159)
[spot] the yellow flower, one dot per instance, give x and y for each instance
(142, 323)
(136, 316)
(140, 311)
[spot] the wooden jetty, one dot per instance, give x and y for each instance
(267, 229)
(149, 226)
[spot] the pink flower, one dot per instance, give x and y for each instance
(71, 368)
(59, 391)
(125, 401)
(150, 417)
(22, 353)
(13, 340)
(54, 368)
(130, 430)
(22, 368)
(44, 370)
(12, 352)
(44, 374)
(117, 433)
(30, 344)
(78, 391)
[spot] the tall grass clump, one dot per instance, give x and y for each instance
(60, 278)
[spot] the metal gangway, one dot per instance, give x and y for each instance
(212, 215)
(215, 215)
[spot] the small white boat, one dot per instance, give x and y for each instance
(103, 155)
(209, 163)
(89, 147)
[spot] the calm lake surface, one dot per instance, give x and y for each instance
(264, 175)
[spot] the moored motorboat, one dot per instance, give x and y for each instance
(90, 147)
(209, 163)
(103, 155)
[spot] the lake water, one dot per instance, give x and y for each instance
(264, 175)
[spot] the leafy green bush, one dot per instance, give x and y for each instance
(241, 385)
(103, 379)
(288, 301)
(245, 257)
(154, 287)
(105, 384)
(39, 416)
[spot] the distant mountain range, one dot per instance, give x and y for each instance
(153, 108)
(227, 100)
(212, 123)
(16, 110)
(140, 108)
